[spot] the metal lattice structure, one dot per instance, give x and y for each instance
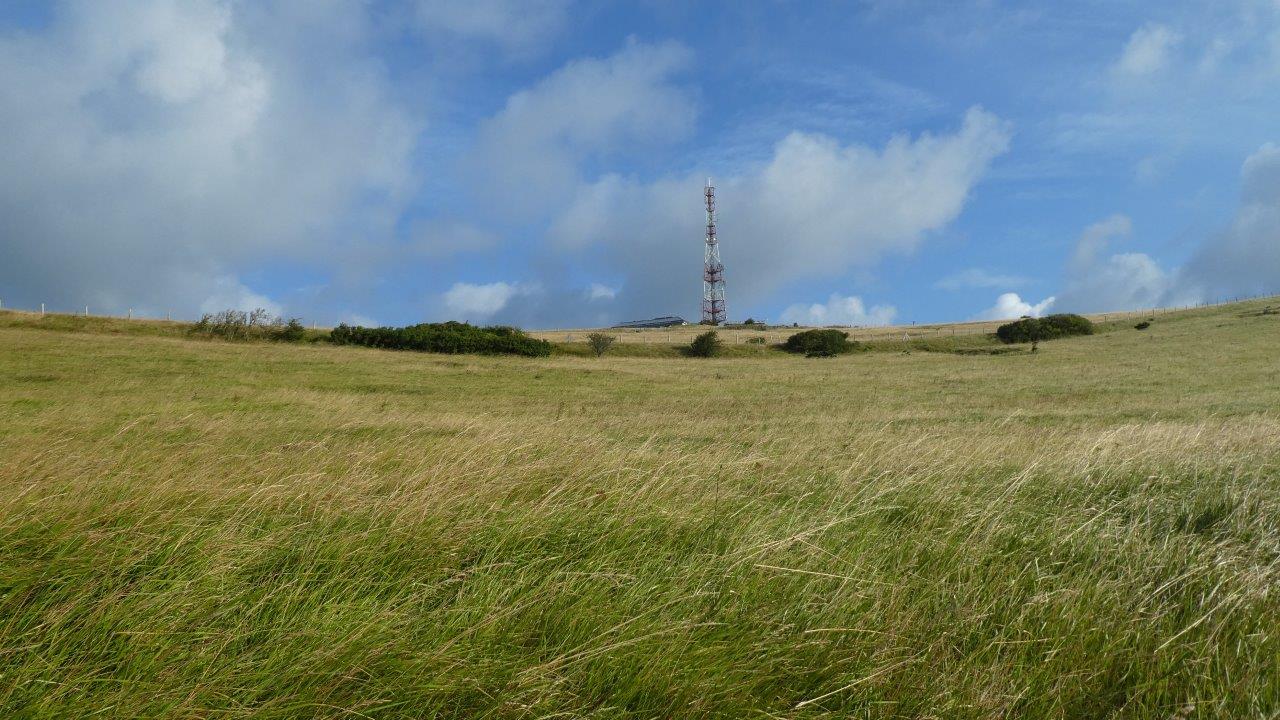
(713, 312)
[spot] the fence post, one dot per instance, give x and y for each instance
(41, 309)
(86, 311)
(130, 313)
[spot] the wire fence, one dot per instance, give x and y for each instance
(771, 334)
(83, 312)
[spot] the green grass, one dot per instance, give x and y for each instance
(194, 528)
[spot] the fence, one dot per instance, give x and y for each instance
(84, 312)
(684, 334)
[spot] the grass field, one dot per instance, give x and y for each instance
(204, 529)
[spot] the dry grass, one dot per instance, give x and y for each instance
(193, 529)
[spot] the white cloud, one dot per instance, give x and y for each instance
(531, 151)
(517, 25)
(1244, 259)
(1147, 50)
(839, 310)
(1095, 239)
(601, 292)
(1097, 283)
(154, 149)
(979, 278)
(479, 302)
(1010, 305)
(1241, 260)
(815, 208)
(229, 294)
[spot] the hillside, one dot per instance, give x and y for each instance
(193, 528)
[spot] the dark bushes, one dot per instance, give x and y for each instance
(820, 343)
(705, 345)
(256, 325)
(1142, 325)
(600, 343)
(1045, 328)
(449, 337)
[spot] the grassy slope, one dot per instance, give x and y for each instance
(191, 528)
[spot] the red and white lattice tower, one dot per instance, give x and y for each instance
(712, 269)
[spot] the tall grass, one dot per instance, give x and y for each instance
(266, 531)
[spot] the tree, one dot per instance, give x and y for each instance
(600, 342)
(705, 345)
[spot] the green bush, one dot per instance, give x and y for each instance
(449, 337)
(1046, 328)
(820, 343)
(1142, 325)
(600, 343)
(705, 345)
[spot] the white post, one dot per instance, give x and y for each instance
(168, 315)
(130, 313)
(41, 309)
(86, 311)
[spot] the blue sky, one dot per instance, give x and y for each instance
(539, 162)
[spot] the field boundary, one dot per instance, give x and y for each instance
(683, 334)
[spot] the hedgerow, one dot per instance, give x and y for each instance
(448, 337)
(1046, 328)
(256, 325)
(820, 343)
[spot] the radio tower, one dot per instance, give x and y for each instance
(712, 269)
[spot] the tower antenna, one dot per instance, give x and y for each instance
(713, 312)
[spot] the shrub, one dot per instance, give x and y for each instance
(1045, 328)
(1142, 325)
(705, 345)
(449, 337)
(820, 343)
(240, 325)
(600, 342)
(755, 341)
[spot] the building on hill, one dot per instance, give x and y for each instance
(658, 322)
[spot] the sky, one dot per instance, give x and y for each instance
(541, 162)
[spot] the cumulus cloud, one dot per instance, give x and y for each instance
(156, 151)
(839, 310)
(530, 153)
(1241, 260)
(1095, 239)
(815, 208)
(1009, 306)
(1097, 282)
(480, 302)
(973, 278)
(1147, 50)
(1244, 259)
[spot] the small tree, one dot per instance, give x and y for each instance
(600, 342)
(705, 345)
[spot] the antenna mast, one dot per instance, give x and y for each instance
(713, 312)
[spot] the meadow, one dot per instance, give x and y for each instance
(196, 528)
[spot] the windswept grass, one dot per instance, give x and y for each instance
(192, 529)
